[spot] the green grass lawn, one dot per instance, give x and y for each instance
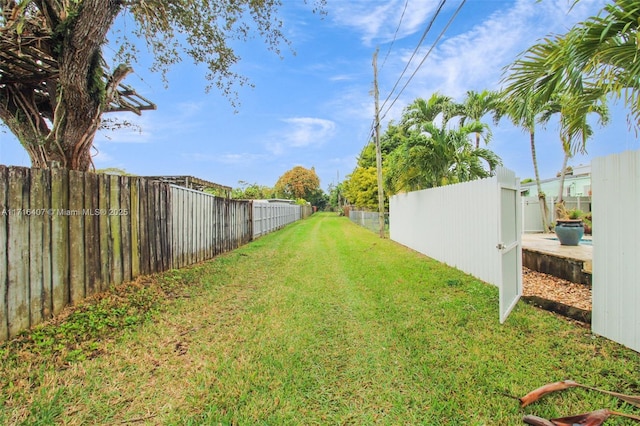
(321, 323)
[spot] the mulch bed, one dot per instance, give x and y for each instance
(557, 295)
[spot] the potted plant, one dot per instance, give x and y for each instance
(569, 227)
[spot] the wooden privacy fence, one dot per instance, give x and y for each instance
(66, 235)
(203, 226)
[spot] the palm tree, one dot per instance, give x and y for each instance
(475, 106)
(467, 163)
(433, 155)
(423, 111)
(522, 109)
(573, 123)
(596, 58)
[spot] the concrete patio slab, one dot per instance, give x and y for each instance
(544, 253)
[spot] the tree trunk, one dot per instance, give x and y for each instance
(563, 173)
(56, 119)
(82, 89)
(542, 198)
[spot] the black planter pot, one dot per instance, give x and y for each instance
(569, 232)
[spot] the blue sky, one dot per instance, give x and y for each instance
(315, 108)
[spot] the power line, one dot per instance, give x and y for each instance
(440, 6)
(425, 57)
(424, 35)
(406, 3)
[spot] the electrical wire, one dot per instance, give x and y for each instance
(395, 36)
(424, 35)
(424, 58)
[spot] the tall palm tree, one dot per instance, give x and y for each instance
(596, 58)
(523, 109)
(475, 106)
(573, 123)
(423, 111)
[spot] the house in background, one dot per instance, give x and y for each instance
(576, 195)
(577, 183)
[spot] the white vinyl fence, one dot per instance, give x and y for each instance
(531, 215)
(455, 224)
(616, 248)
(474, 226)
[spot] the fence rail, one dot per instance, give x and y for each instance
(66, 235)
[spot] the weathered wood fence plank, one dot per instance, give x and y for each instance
(125, 227)
(143, 235)
(76, 236)
(134, 214)
(18, 312)
(4, 217)
(39, 268)
(59, 239)
(116, 229)
(91, 216)
(105, 231)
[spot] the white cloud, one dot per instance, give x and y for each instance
(474, 59)
(152, 125)
(378, 20)
(342, 77)
(101, 159)
(306, 131)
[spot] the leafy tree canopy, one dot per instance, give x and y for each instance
(57, 85)
(253, 191)
(596, 58)
(298, 182)
(361, 188)
(434, 151)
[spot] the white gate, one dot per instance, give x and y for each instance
(510, 245)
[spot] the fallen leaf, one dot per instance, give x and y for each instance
(594, 418)
(536, 421)
(538, 393)
(631, 399)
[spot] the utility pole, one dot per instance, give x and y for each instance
(377, 139)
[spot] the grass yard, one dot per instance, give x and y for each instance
(321, 323)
